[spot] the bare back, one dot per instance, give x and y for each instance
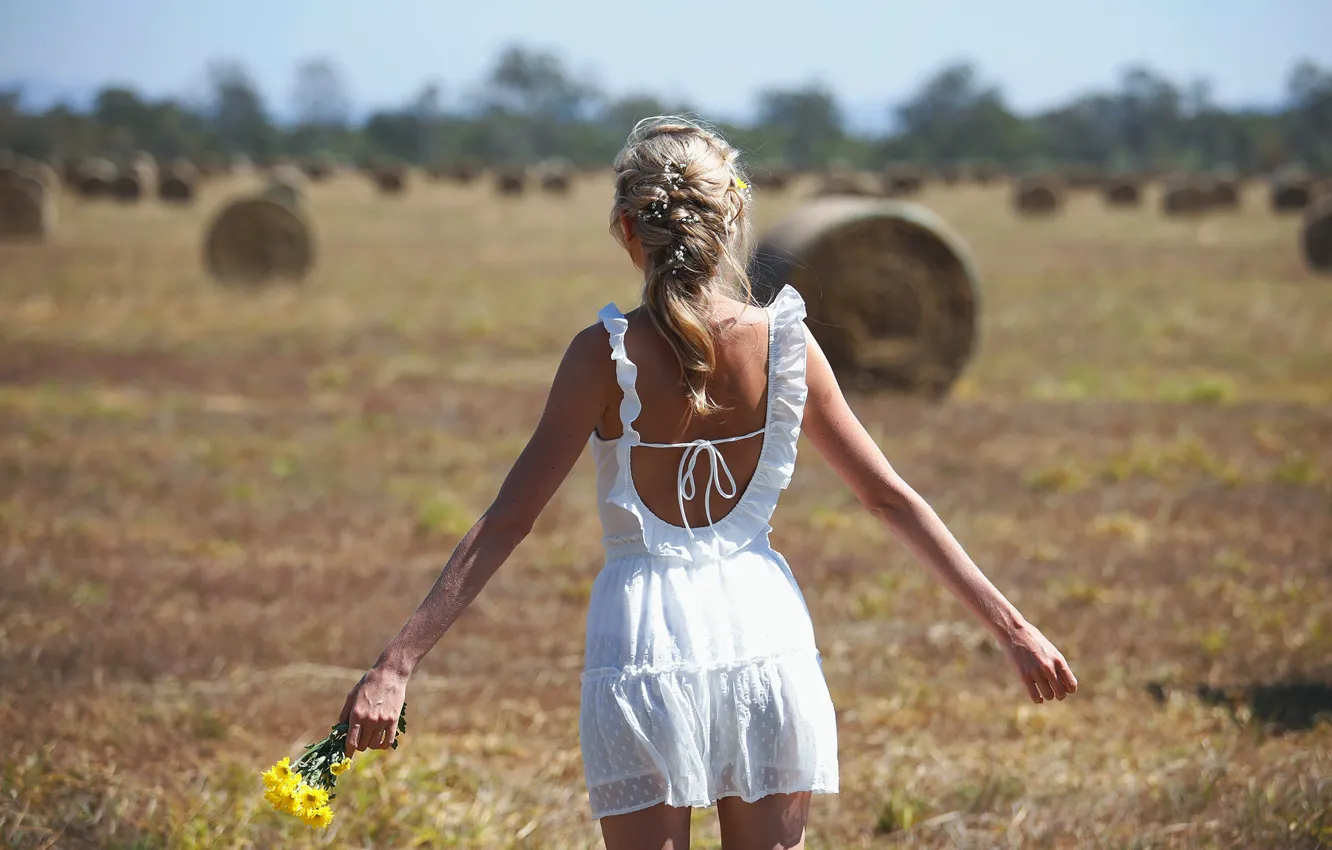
(739, 387)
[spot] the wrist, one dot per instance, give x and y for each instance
(1009, 624)
(395, 661)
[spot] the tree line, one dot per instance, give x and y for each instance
(531, 107)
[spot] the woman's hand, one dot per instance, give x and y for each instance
(1039, 665)
(372, 709)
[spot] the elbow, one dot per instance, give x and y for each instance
(890, 505)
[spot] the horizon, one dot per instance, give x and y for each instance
(162, 50)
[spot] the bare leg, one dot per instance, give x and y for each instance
(775, 822)
(660, 827)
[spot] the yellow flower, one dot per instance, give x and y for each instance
(287, 794)
(278, 773)
(320, 817)
(340, 767)
(740, 184)
(310, 799)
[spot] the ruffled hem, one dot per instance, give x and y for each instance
(687, 734)
(787, 393)
(703, 803)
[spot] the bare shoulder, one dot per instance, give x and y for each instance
(589, 352)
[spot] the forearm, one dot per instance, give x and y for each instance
(912, 519)
(478, 555)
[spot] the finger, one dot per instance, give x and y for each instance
(1043, 685)
(1066, 674)
(1035, 694)
(376, 737)
(1056, 684)
(347, 706)
(354, 736)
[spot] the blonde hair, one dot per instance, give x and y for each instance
(680, 184)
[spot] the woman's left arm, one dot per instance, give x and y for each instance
(578, 397)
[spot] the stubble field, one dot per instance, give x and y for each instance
(216, 506)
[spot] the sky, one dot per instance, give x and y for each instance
(716, 55)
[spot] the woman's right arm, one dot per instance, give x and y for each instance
(847, 446)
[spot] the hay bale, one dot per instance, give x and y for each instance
(1184, 196)
(45, 173)
(555, 177)
(985, 173)
(855, 184)
(1121, 192)
(177, 184)
(1317, 236)
(952, 174)
(132, 183)
(1038, 196)
(96, 175)
(773, 178)
(891, 291)
(286, 184)
(902, 181)
(258, 239)
(27, 207)
(1221, 193)
(390, 179)
(318, 168)
(511, 182)
(1291, 193)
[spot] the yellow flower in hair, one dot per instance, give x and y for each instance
(740, 184)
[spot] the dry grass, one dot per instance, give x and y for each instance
(216, 506)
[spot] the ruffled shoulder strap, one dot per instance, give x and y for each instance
(626, 372)
(787, 390)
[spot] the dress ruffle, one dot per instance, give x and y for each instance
(689, 735)
(748, 520)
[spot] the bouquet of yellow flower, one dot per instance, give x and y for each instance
(304, 789)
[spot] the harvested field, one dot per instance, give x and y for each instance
(217, 504)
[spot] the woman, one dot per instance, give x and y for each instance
(702, 683)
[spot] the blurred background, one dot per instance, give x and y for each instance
(282, 288)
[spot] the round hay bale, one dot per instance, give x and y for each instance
(178, 183)
(390, 179)
(1183, 196)
(45, 173)
(891, 291)
(854, 184)
(511, 182)
(1121, 192)
(463, 172)
(257, 239)
(902, 181)
(555, 178)
(1291, 193)
(774, 178)
(1038, 196)
(96, 175)
(1221, 193)
(985, 173)
(1317, 236)
(317, 168)
(132, 182)
(27, 208)
(287, 184)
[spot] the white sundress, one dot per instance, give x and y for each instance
(701, 678)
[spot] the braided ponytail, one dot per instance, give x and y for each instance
(680, 183)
